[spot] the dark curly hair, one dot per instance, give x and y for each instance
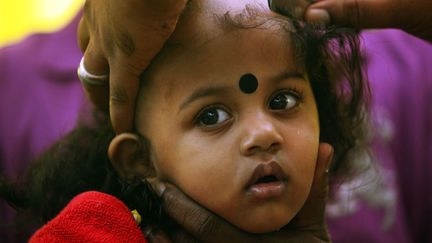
(79, 161)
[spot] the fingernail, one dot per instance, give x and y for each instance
(155, 235)
(159, 188)
(318, 16)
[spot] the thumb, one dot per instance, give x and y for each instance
(354, 13)
(312, 213)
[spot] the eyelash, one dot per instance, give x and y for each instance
(297, 93)
(196, 120)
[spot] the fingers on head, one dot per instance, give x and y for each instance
(82, 35)
(353, 13)
(94, 60)
(95, 64)
(292, 8)
(350, 13)
(124, 88)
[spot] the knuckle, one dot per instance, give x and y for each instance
(172, 202)
(292, 8)
(124, 43)
(119, 97)
(206, 225)
(353, 12)
(169, 197)
(169, 13)
(163, 28)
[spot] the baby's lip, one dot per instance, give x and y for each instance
(267, 169)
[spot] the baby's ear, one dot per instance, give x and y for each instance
(130, 156)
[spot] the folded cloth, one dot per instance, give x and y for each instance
(91, 217)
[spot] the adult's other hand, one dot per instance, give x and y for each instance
(411, 16)
(121, 38)
(200, 225)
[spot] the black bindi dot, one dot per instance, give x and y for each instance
(248, 83)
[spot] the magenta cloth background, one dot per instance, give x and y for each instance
(41, 99)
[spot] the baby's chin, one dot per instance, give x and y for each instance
(265, 224)
(261, 227)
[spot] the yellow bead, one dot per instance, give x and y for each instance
(136, 216)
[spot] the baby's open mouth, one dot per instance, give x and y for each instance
(267, 181)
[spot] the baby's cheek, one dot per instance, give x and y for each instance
(208, 187)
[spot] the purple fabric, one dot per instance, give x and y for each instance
(400, 71)
(41, 95)
(42, 98)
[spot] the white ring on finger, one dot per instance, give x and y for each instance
(89, 78)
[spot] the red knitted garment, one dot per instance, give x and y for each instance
(91, 217)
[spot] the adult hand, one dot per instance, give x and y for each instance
(200, 225)
(121, 38)
(411, 16)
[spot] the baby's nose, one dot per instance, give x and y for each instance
(260, 135)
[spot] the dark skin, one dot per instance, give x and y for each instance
(201, 225)
(154, 21)
(411, 16)
(124, 55)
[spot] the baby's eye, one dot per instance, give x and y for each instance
(284, 101)
(212, 116)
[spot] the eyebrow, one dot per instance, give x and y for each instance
(217, 90)
(203, 92)
(288, 75)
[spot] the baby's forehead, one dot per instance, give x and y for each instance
(208, 43)
(204, 21)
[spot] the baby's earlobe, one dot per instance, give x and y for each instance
(129, 156)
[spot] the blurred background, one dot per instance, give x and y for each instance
(20, 18)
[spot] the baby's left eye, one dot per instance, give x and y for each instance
(284, 101)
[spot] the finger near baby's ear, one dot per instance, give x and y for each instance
(96, 64)
(319, 189)
(325, 157)
(290, 8)
(124, 88)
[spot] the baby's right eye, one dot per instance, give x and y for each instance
(212, 116)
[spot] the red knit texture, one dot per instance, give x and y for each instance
(91, 217)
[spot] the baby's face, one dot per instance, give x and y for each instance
(245, 151)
